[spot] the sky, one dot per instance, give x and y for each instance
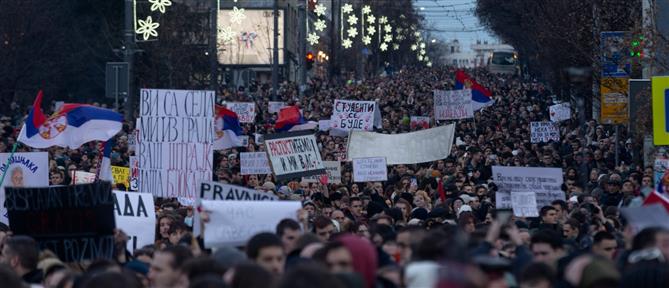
(454, 19)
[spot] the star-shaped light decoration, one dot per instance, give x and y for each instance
(396, 46)
(429, 64)
(383, 20)
(387, 38)
(352, 32)
(227, 34)
(366, 40)
(366, 9)
(347, 8)
(352, 20)
(320, 25)
(426, 58)
(383, 46)
(237, 15)
(147, 28)
(388, 28)
(371, 18)
(417, 34)
(320, 9)
(420, 58)
(160, 5)
(414, 47)
(422, 51)
(371, 30)
(422, 45)
(346, 43)
(313, 38)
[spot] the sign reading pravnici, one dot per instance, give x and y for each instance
(75, 222)
(294, 154)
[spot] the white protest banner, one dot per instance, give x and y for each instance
(420, 122)
(653, 215)
(370, 169)
(353, 115)
(136, 215)
(134, 173)
(275, 107)
(453, 104)
(29, 169)
(235, 222)
(175, 141)
(82, 177)
(333, 172)
(560, 112)
(324, 125)
(524, 204)
(254, 163)
(210, 190)
(546, 183)
(294, 154)
(246, 111)
(407, 148)
(544, 132)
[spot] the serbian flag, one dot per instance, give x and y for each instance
(71, 126)
(290, 119)
(655, 197)
(228, 129)
(481, 97)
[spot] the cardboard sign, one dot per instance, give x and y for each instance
(275, 107)
(254, 163)
(560, 112)
(420, 122)
(453, 104)
(235, 222)
(82, 177)
(353, 115)
(545, 183)
(524, 204)
(246, 111)
(407, 148)
(29, 169)
(76, 222)
(175, 148)
(135, 214)
(134, 173)
(333, 173)
(218, 191)
(370, 169)
(121, 175)
(294, 154)
(544, 132)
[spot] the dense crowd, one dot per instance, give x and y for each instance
(396, 233)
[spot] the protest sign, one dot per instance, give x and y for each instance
(259, 138)
(235, 222)
(659, 168)
(453, 104)
(294, 154)
(246, 111)
(244, 140)
(121, 175)
(75, 222)
(370, 169)
(544, 132)
(420, 122)
(324, 125)
(210, 190)
(353, 115)
(275, 107)
(546, 183)
(643, 217)
(333, 173)
(132, 140)
(254, 163)
(560, 112)
(82, 177)
(30, 169)
(134, 173)
(524, 204)
(407, 148)
(175, 143)
(135, 215)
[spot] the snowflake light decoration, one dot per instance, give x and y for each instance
(160, 5)
(227, 34)
(147, 28)
(366, 9)
(313, 38)
(383, 46)
(420, 58)
(396, 46)
(371, 30)
(366, 40)
(422, 52)
(426, 58)
(383, 20)
(352, 32)
(320, 9)
(387, 38)
(237, 15)
(414, 47)
(422, 45)
(320, 25)
(346, 43)
(417, 34)
(388, 28)
(347, 8)
(371, 19)
(352, 20)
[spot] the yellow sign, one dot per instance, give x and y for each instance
(121, 175)
(615, 100)
(660, 101)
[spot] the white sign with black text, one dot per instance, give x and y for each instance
(370, 169)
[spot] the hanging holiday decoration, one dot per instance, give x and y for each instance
(313, 38)
(226, 34)
(351, 31)
(160, 5)
(320, 10)
(147, 28)
(237, 15)
(319, 25)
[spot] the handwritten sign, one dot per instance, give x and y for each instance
(210, 190)
(453, 104)
(175, 142)
(82, 177)
(294, 154)
(275, 107)
(333, 173)
(420, 122)
(524, 204)
(370, 169)
(254, 163)
(121, 175)
(235, 222)
(76, 222)
(560, 112)
(246, 111)
(29, 169)
(545, 183)
(544, 132)
(353, 115)
(134, 213)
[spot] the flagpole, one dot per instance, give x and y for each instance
(2, 180)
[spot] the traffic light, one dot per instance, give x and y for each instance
(636, 46)
(310, 60)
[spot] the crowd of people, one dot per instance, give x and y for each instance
(396, 233)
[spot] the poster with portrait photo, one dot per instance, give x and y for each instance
(25, 170)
